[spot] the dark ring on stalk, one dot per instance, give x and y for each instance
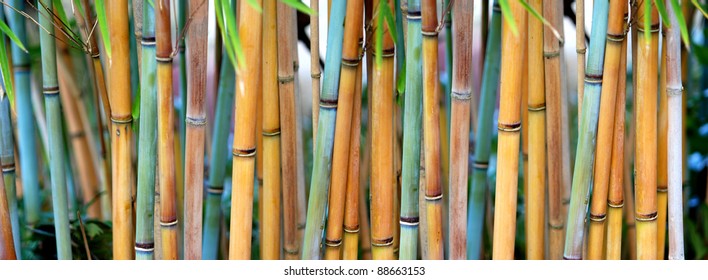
(572, 258)
(671, 91)
(645, 217)
(598, 217)
(77, 134)
(296, 66)
(537, 107)
(215, 189)
(350, 62)
(654, 28)
(300, 226)
(260, 181)
(593, 79)
(409, 221)
(333, 243)
(351, 229)
(21, 68)
(274, 132)
(244, 152)
(551, 54)
(388, 52)
(566, 201)
(619, 38)
(145, 247)
(168, 224)
(525, 155)
(292, 251)
(195, 121)
(581, 51)
(148, 41)
(8, 168)
(328, 103)
(615, 205)
(662, 189)
(122, 120)
(286, 79)
(51, 90)
(316, 75)
(496, 7)
(163, 59)
(480, 165)
(433, 198)
(413, 15)
(558, 226)
(382, 242)
(461, 95)
(97, 55)
(433, 33)
(512, 127)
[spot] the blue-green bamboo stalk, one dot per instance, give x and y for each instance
(52, 104)
(412, 128)
(147, 148)
(319, 187)
(181, 7)
(25, 117)
(7, 159)
(585, 157)
(475, 214)
(217, 161)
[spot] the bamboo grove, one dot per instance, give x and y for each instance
(353, 129)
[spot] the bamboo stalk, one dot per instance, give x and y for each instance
(615, 199)
(147, 146)
(364, 225)
(646, 143)
(412, 121)
(629, 150)
(580, 49)
(508, 143)
(537, 141)
(7, 160)
(605, 130)
(352, 202)
(7, 246)
(587, 132)
(661, 155)
(54, 132)
(181, 7)
(674, 90)
(342, 137)
(25, 119)
(244, 146)
(315, 72)
(195, 129)
(325, 135)
(475, 216)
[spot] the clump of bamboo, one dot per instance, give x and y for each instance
(605, 130)
(342, 137)
(325, 135)
(587, 131)
(475, 216)
(508, 145)
(674, 90)
(244, 146)
(645, 161)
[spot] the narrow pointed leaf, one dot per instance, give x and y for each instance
(7, 31)
(103, 25)
(298, 5)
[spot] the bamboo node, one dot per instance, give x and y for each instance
(496, 8)
(301, 226)
(195, 121)
(96, 55)
(353, 229)
(122, 119)
(512, 127)
(21, 68)
(645, 217)
(556, 226)
(168, 224)
(163, 59)
(580, 50)
(551, 54)
(286, 79)
(350, 62)
(619, 38)
(215, 189)
(388, 53)
(291, 251)
(480, 165)
(572, 258)
(413, 15)
(77, 134)
(147, 41)
(662, 189)
(409, 221)
(537, 107)
(8, 168)
(316, 75)
(653, 29)
(672, 91)
(593, 79)
(269, 133)
(328, 103)
(597, 217)
(333, 243)
(382, 242)
(433, 33)
(433, 198)
(461, 95)
(51, 90)
(615, 204)
(243, 153)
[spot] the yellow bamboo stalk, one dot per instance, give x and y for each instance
(351, 206)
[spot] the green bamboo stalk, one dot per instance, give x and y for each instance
(325, 135)
(475, 216)
(25, 117)
(181, 7)
(583, 173)
(54, 131)
(7, 159)
(147, 145)
(412, 128)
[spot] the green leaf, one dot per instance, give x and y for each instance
(150, 2)
(700, 8)
(663, 13)
(222, 30)
(77, 5)
(508, 16)
(681, 21)
(401, 80)
(298, 5)
(136, 106)
(647, 21)
(59, 11)
(5, 72)
(7, 31)
(103, 25)
(254, 4)
(231, 26)
(538, 16)
(390, 21)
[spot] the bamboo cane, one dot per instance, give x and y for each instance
(580, 49)
(537, 140)
(340, 156)
(364, 225)
(351, 205)
(605, 130)
(482, 151)
(7, 246)
(508, 145)
(25, 119)
(615, 199)
(7, 160)
(674, 90)
(181, 7)
(315, 72)
(629, 150)
(587, 132)
(661, 156)
(54, 131)
(645, 149)
(244, 146)
(325, 135)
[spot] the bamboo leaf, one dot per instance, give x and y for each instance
(103, 25)
(508, 16)
(538, 16)
(390, 21)
(682, 22)
(76, 4)
(136, 106)
(7, 31)
(298, 5)
(5, 72)
(663, 13)
(59, 11)
(231, 27)
(401, 81)
(220, 23)
(647, 21)
(700, 8)
(255, 5)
